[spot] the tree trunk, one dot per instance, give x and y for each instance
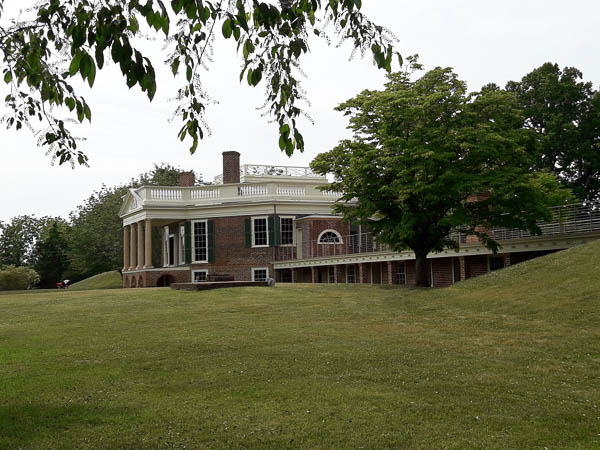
(422, 280)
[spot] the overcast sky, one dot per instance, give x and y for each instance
(483, 41)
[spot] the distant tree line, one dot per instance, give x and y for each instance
(88, 243)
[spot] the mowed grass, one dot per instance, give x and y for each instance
(106, 280)
(510, 360)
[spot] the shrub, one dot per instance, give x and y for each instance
(17, 278)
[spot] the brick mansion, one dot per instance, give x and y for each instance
(258, 222)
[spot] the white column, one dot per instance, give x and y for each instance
(148, 259)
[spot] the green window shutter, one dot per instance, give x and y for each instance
(277, 231)
(271, 222)
(211, 240)
(188, 242)
(248, 227)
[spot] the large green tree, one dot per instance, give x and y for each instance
(95, 237)
(420, 151)
(68, 38)
(51, 249)
(564, 113)
(18, 238)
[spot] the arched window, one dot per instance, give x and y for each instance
(330, 237)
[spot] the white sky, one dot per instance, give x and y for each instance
(483, 41)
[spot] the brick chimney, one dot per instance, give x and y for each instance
(187, 179)
(231, 167)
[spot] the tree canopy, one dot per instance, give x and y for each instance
(423, 150)
(69, 38)
(564, 112)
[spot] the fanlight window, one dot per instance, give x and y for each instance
(330, 237)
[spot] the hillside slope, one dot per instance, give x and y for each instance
(106, 280)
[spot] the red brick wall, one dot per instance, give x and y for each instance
(187, 179)
(476, 265)
(231, 167)
(317, 226)
(442, 272)
(231, 254)
(150, 278)
(411, 273)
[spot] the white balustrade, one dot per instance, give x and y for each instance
(165, 194)
(252, 190)
(291, 191)
(203, 193)
(233, 191)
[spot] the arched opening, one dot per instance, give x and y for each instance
(330, 237)
(133, 283)
(141, 282)
(127, 282)
(165, 280)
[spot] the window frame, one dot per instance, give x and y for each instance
(489, 261)
(252, 220)
(167, 235)
(193, 250)
(401, 274)
(181, 244)
(339, 236)
(254, 269)
(293, 231)
(354, 275)
(205, 271)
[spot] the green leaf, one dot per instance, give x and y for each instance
(87, 112)
(100, 57)
(227, 28)
(85, 65)
(175, 66)
(7, 77)
(92, 72)
(189, 73)
(74, 67)
(70, 103)
(256, 76)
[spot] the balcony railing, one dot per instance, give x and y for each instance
(255, 170)
(576, 218)
(232, 192)
(564, 220)
(349, 245)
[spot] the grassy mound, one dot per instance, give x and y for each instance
(106, 280)
(508, 360)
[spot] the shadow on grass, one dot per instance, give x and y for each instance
(24, 424)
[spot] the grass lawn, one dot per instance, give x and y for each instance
(106, 280)
(510, 360)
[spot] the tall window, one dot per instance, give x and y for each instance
(200, 241)
(287, 230)
(260, 232)
(401, 273)
(351, 273)
(181, 244)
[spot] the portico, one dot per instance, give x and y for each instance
(137, 246)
